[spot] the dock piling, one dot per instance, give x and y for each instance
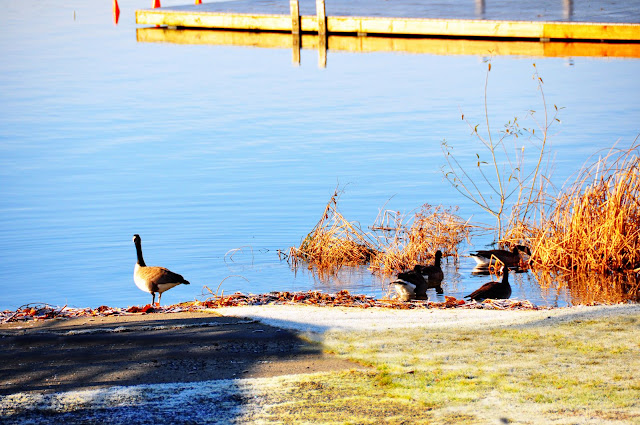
(295, 16)
(322, 18)
(294, 6)
(322, 33)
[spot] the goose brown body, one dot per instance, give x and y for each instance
(411, 284)
(509, 259)
(425, 277)
(493, 290)
(153, 279)
(433, 275)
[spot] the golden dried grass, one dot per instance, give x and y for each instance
(594, 226)
(334, 242)
(409, 240)
(396, 242)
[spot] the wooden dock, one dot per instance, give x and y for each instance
(403, 19)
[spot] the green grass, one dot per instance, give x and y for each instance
(576, 372)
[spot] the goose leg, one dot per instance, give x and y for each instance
(153, 301)
(159, 297)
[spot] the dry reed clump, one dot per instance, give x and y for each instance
(396, 244)
(595, 225)
(333, 242)
(406, 242)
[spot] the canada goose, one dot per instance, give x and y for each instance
(433, 274)
(493, 290)
(153, 279)
(417, 280)
(404, 290)
(510, 259)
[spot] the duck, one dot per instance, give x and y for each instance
(510, 259)
(153, 279)
(493, 290)
(405, 290)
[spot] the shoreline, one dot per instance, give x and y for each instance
(236, 361)
(43, 311)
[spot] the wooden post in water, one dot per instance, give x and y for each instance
(294, 6)
(322, 17)
(322, 33)
(295, 30)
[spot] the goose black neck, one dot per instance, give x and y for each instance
(505, 275)
(438, 258)
(139, 252)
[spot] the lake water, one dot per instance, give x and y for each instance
(204, 149)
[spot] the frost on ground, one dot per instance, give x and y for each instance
(223, 401)
(315, 321)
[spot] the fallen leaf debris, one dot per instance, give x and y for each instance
(40, 311)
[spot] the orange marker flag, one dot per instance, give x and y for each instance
(116, 12)
(155, 4)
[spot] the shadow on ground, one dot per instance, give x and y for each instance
(189, 349)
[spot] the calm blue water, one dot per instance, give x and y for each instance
(206, 149)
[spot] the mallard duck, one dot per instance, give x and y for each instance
(153, 279)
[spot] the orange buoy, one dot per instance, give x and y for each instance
(116, 12)
(155, 4)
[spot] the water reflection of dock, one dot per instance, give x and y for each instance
(276, 40)
(550, 28)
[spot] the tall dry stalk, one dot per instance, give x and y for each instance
(492, 184)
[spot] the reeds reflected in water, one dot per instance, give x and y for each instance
(589, 289)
